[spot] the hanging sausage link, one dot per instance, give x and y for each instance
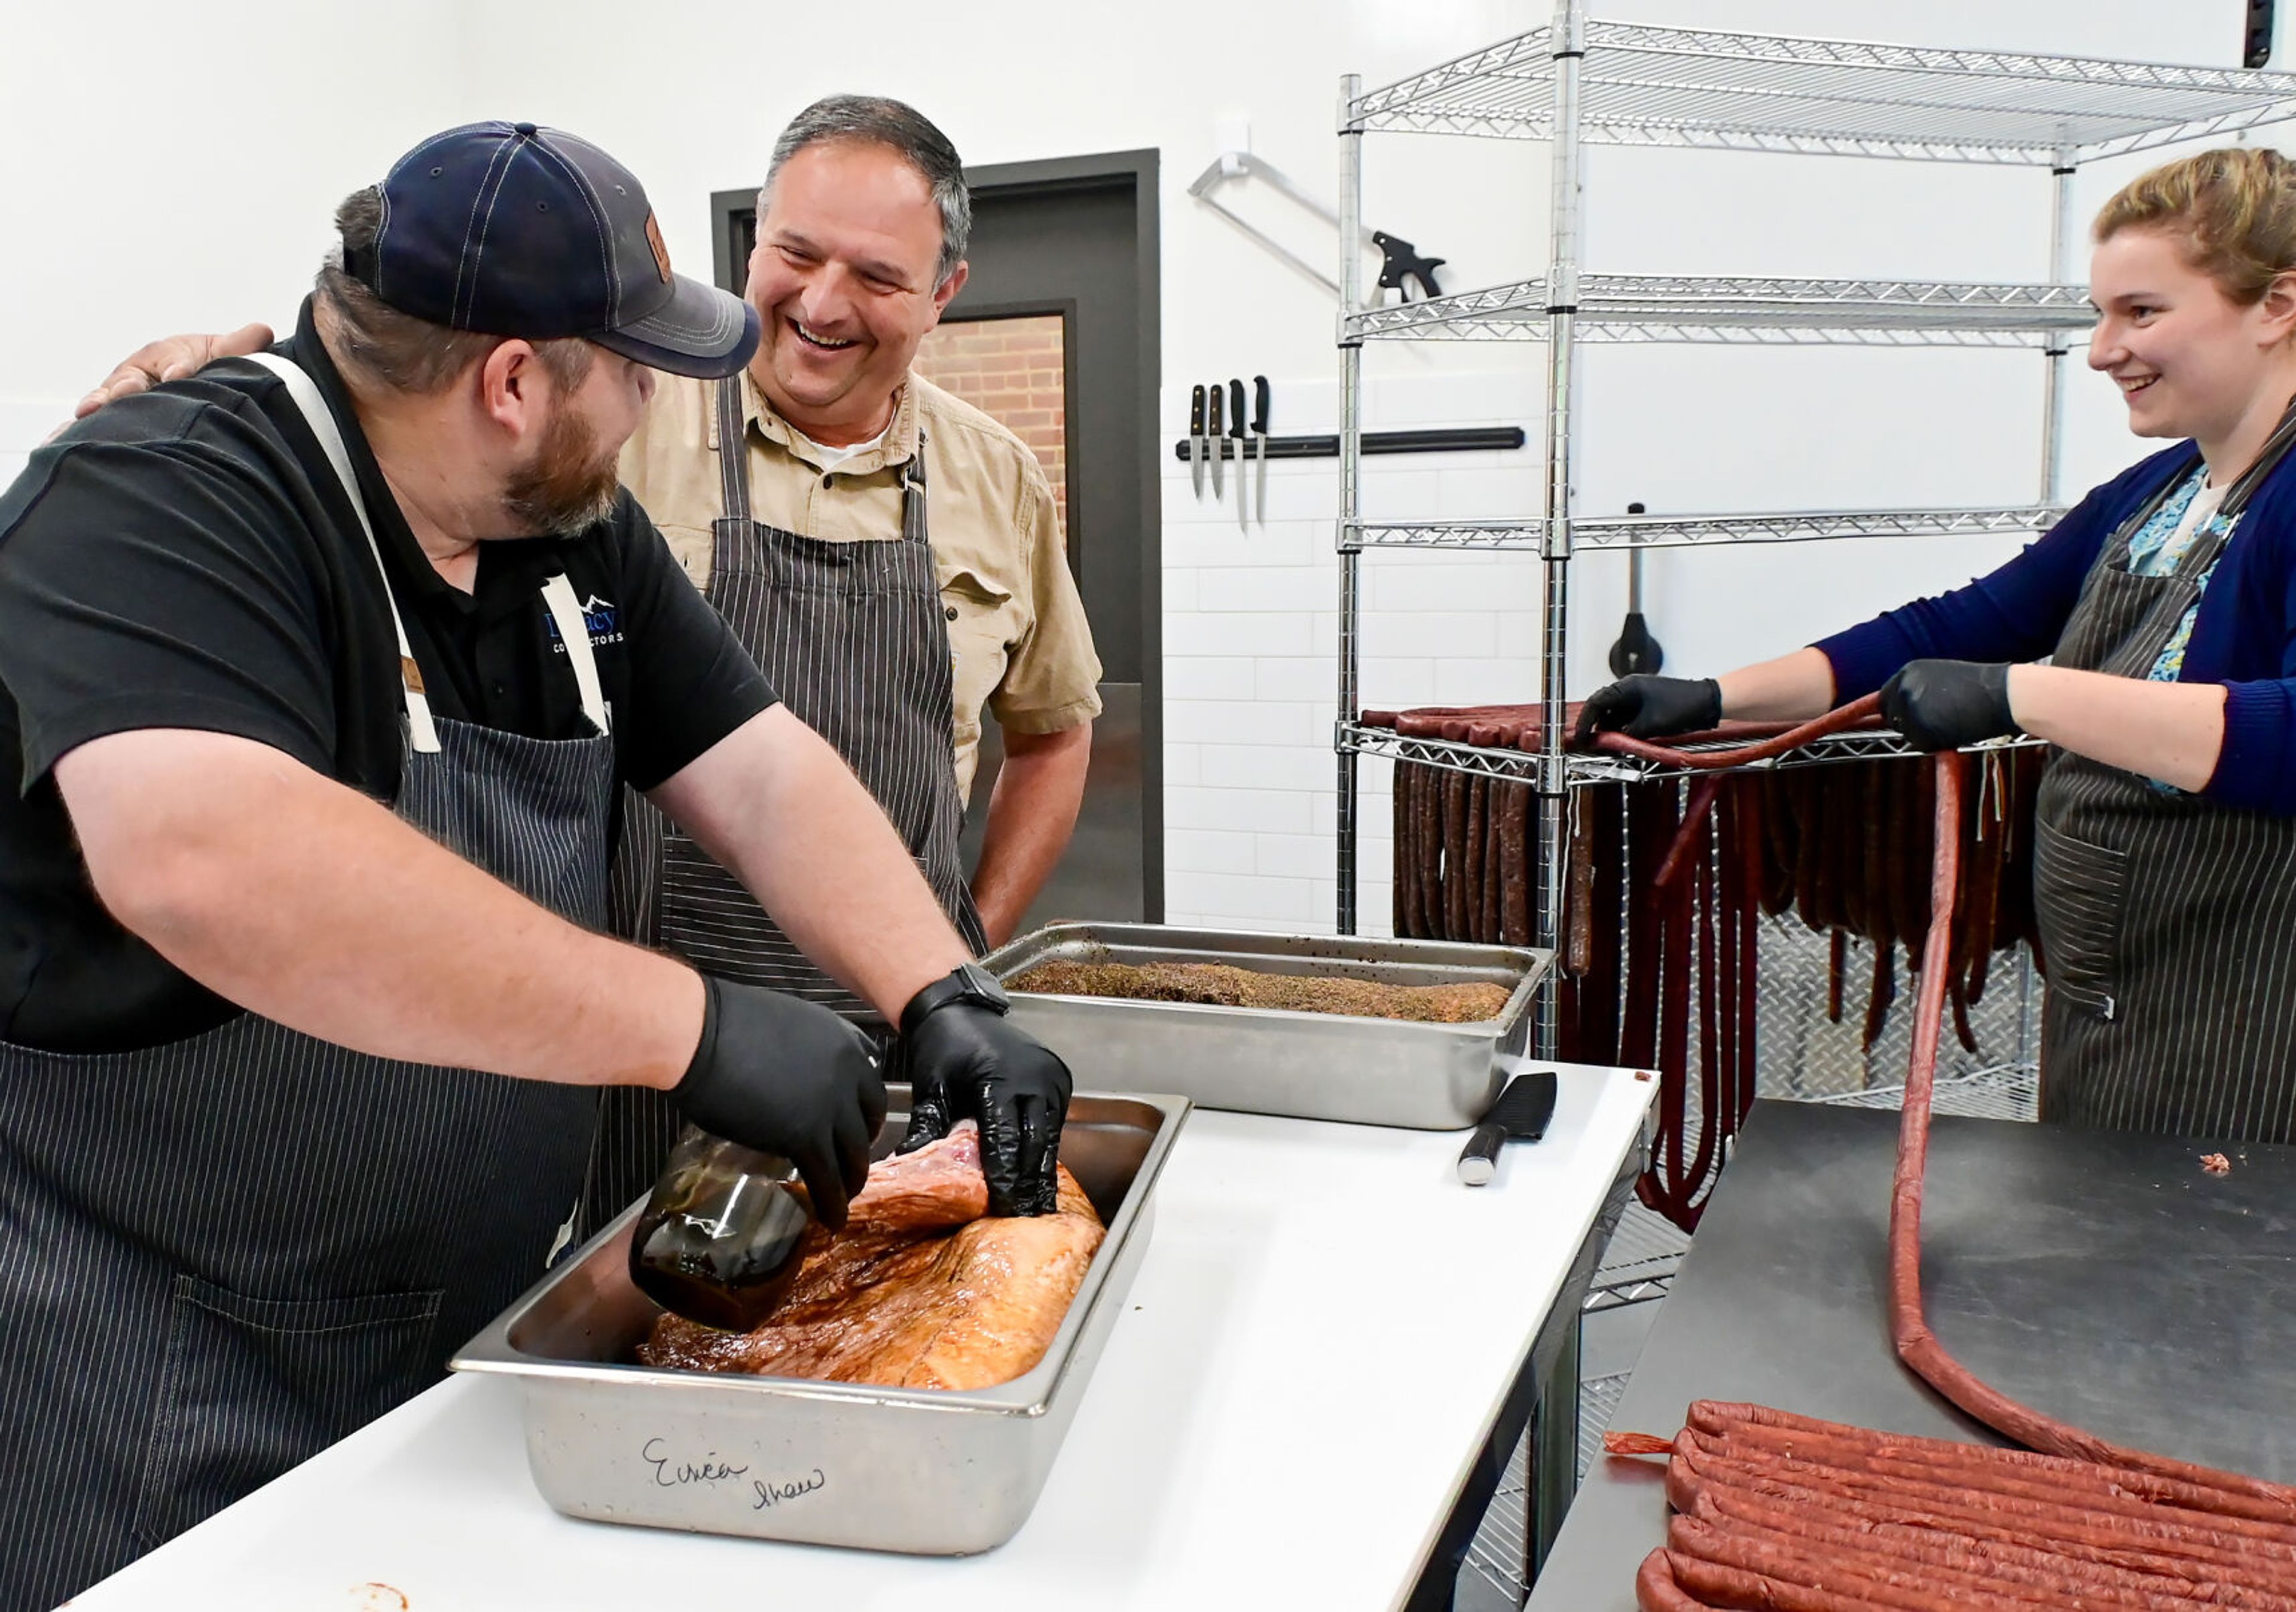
(1840, 845)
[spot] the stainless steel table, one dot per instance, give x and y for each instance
(2102, 1277)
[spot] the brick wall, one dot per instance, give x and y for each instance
(1011, 370)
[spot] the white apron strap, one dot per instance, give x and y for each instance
(574, 633)
(308, 397)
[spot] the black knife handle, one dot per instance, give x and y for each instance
(1196, 412)
(1479, 1161)
(1260, 406)
(1215, 415)
(1235, 410)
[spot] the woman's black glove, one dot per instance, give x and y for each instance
(785, 1076)
(1646, 705)
(965, 1060)
(1942, 705)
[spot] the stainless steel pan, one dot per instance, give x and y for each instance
(909, 1469)
(1264, 1060)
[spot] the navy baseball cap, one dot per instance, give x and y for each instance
(513, 230)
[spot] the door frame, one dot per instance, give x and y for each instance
(1143, 167)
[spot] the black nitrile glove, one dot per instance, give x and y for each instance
(1942, 705)
(965, 1060)
(1646, 705)
(785, 1076)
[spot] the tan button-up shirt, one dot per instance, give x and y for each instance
(1018, 639)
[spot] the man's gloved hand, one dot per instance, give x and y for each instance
(1646, 705)
(785, 1076)
(965, 1060)
(1942, 705)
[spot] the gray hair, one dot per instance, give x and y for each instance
(880, 120)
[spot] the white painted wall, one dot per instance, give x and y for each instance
(171, 168)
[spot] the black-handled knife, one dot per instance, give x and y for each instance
(1212, 433)
(1196, 440)
(1259, 446)
(1524, 1106)
(1240, 429)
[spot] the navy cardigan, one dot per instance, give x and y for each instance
(2244, 637)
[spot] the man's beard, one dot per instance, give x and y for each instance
(569, 485)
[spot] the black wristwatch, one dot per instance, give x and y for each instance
(967, 982)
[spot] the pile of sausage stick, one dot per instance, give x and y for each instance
(1783, 1513)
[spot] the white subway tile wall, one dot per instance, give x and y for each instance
(1251, 641)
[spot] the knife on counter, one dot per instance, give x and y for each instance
(1524, 1106)
(1259, 446)
(1196, 440)
(1212, 420)
(1241, 432)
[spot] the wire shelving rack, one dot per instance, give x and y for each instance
(1583, 80)
(1640, 85)
(1768, 312)
(1692, 531)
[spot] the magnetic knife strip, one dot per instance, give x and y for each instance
(1462, 440)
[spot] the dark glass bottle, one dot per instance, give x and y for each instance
(717, 1241)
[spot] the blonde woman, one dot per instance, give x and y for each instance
(2150, 638)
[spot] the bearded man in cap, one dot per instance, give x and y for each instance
(320, 673)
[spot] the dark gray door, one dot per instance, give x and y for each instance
(1077, 238)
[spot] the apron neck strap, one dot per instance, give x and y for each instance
(913, 492)
(574, 633)
(2267, 459)
(733, 466)
(733, 450)
(307, 399)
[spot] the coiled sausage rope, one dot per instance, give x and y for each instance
(1789, 1513)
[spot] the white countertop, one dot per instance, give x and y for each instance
(1314, 1350)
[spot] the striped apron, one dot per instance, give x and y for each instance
(854, 638)
(224, 1254)
(2168, 922)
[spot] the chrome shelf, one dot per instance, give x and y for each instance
(1640, 1264)
(1643, 86)
(1517, 766)
(1498, 1553)
(1745, 312)
(2008, 1091)
(1619, 1295)
(1692, 531)
(1523, 767)
(1598, 1401)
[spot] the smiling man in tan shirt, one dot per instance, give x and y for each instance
(1018, 639)
(862, 227)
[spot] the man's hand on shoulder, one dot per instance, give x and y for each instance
(170, 358)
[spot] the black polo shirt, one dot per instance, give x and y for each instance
(186, 558)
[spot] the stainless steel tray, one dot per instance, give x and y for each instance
(912, 1469)
(1266, 1060)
